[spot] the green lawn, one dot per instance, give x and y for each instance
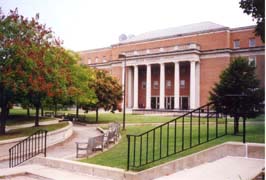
(19, 116)
(28, 131)
(117, 156)
(130, 118)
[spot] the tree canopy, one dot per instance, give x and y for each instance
(256, 8)
(108, 92)
(34, 66)
(238, 93)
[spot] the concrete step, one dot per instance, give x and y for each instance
(39, 172)
(228, 168)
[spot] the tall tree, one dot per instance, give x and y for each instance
(32, 63)
(78, 90)
(256, 8)
(238, 93)
(107, 90)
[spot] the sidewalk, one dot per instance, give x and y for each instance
(228, 168)
(67, 149)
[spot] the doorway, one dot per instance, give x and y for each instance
(169, 102)
(155, 102)
(183, 102)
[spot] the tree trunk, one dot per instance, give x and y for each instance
(55, 109)
(236, 125)
(37, 116)
(7, 112)
(28, 112)
(77, 111)
(42, 111)
(97, 114)
(3, 101)
(3, 118)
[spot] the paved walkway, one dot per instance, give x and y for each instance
(67, 149)
(228, 168)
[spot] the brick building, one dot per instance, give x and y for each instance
(176, 68)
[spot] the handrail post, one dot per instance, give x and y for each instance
(45, 143)
(244, 129)
(10, 158)
(128, 151)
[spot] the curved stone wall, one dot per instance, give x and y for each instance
(53, 138)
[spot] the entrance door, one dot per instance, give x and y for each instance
(183, 102)
(155, 102)
(169, 102)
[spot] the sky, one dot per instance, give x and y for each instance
(90, 24)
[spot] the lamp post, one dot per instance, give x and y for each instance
(124, 91)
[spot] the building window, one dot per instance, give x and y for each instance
(89, 61)
(182, 83)
(161, 49)
(252, 60)
(236, 44)
(143, 84)
(155, 84)
(252, 42)
(147, 51)
(104, 59)
(96, 60)
(136, 53)
(168, 84)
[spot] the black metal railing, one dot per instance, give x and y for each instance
(182, 133)
(31, 146)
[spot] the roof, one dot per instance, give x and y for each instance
(175, 31)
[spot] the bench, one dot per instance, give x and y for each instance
(49, 114)
(84, 146)
(93, 144)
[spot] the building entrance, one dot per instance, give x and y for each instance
(183, 102)
(155, 102)
(169, 102)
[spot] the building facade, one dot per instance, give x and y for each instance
(176, 68)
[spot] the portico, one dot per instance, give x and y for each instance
(172, 84)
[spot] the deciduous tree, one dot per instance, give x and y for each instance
(256, 8)
(238, 93)
(108, 92)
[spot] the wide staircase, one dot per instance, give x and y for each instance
(185, 132)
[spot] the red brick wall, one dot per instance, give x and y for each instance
(260, 69)
(244, 37)
(142, 91)
(210, 70)
(155, 76)
(169, 75)
(185, 75)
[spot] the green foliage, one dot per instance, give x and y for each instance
(107, 90)
(256, 8)
(34, 68)
(238, 91)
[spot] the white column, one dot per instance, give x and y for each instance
(129, 86)
(136, 80)
(192, 85)
(176, 88)
(148, 87)
(162, 85)
(197, 84)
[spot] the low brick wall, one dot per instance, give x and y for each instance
(53, 138)
(251, 150)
